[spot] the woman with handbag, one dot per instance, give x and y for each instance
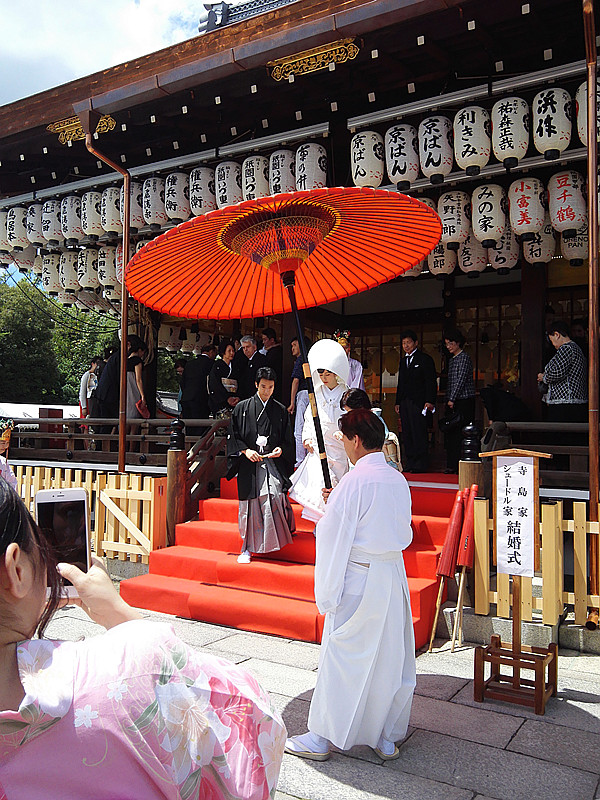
(460, 398)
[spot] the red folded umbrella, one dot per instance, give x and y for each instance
(447, 563)
(466, 548)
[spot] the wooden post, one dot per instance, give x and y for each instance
(176, 480)
(481, 564)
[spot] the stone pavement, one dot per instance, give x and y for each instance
(456, 749)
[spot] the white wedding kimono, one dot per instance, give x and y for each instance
(367, 669)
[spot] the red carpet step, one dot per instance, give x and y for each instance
(199, 577)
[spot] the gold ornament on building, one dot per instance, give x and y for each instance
(314, 60)
(70, 130)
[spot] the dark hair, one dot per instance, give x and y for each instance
(409, 334)
(355, 398)
(135, 343)
(108, 352)
(206, 348)
(180, 362)
(265, 373)
(18, 526)
(366, 425)
(223, 345)
(307, 342)
(97, 360)
(270, 333)
(558, 326)
(454, 335)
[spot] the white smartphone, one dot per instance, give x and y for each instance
(63, 516)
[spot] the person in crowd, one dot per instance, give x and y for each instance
(260, 452)
(136, 396)
(108, 351)
(415, 401)
(329, 368)
(460, 395)
(109, 384)
(251, 361)
(356, 398)
(273, 351)
(579, 334)
(179, 365)
(355, 376)
(566, 377)
(6, 428)
(299, 396)
(222, 384)
(367, 669)
(132, 712)
(88, 387)
(194, 387)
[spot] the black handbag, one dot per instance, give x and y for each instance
(449, 422)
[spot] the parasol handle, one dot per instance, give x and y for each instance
(289, 280)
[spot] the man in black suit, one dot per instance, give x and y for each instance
(194, 390)
(415, 398)
(273, 352)
(249, 365)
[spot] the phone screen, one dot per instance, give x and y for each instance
(64, 524)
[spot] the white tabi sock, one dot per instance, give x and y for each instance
(386, 746)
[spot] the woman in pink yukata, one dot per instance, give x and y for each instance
(130, 714)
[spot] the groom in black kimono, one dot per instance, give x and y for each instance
(261, 452)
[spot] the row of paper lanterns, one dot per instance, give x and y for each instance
(175, 339)
(469, 139)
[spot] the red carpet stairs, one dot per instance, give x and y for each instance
(199, 577)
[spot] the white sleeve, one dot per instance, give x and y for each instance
(83, 389)
(308, 429)
(7, 473)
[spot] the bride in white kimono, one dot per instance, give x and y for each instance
(329, 368)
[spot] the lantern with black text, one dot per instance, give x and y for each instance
(87, 269)
(505, 255)
(174, 343)
(23, 259)
(581, 110)
(66, 299)
(16, 228)
(110, 211)
(454, 210)
(282, 168)
(552, 122)
(228, 177)
(510, 130)
(202, 190)
(526, 203)
(568, 210)
(255, 177)
(576, 248)
(50, 279)
(136, 209)
(311, 167)
(34, 225)
(472, 139)
(70, 220)
(442, 261)
(435, 148)
(164, 333)
(153, 203)
(51, 227)
(187, 343)
(541, 248)
(472, 257)
(91, 215)
(367, 160)
(107, 269)
(489, 209)
(67, 271)
(38, 265)
(5, 246)
(402, 155)
(177, 197)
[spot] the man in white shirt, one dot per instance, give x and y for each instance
(367, 669)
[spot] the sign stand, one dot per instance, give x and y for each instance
(516, 532)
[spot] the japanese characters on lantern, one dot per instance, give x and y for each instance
(454, 210)
(255, 177)
(472, 139)
(567, 205)
(367, 159)
(87, 269)
(581, 111)
(202, 190)
(402, 156)
(515, 515)
(67, 271)
(110, 211)
(51, 227)
(541, 248)
(153, 203)
(16, 228)
(311, 167)
(50, 279)
(177, 197)
(228, 179)
(472, 256)
(575, 249)
(442, 261)
(527, 206)
(91, 219)
(552, 122)
(282, 167)
(34, 225)
(510, 130)
(435, 148)
(505, 256)
(489, 209)
(136, 210)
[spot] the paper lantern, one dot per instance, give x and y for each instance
(51, 227)
(489, 209)
(202, 338)
(441, 261)
(16, 228)
(119, 261)
(552, 113)
(435, 148)
(136, 211)
(174, 343)
(526, 202)
(505, 256)
(5, 246)
(23, 259)
(113, 296)
(107, 270)
(87, 269)
(37, 268)
(472, 139)
(153, 203)
(581, 110)
(454, 210)
(541, 248)
(70, 220)
(402, 155)
(177, 197)
(67, 271)
(367, 159)
(510, 130)
(66, 299)
(576, 248)
(164, 334)
(187, 344)
(255, 177)
(110, 211)
(282, 166)
(202, 190)
(311, 167)
(91, 215)
(472, 256)
(566, 202)
(228, 179)
(414, 271)
(34, 225)
(50, 280)
(86, 301)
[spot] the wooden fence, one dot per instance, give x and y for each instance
(553, 527)
(128, 512)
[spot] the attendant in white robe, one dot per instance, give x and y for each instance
(367, 670)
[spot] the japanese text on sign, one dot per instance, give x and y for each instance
(515, 515)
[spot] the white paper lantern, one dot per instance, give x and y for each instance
(5, 246)
(23, 259)
(202, 190)
(67, 271)
(541, 248)
(164, 334)
(505, 256)
(119, 261)
(202, 338)
(110, 211)
(50, 280)
(454, 210)
(402, 155)
(107, 270)
(187, 344)
(442, 261)
(51, 227)
(136, 211)
(255, 177)
(177, 197)
(566, 202)
(154, 203)
(86, 301)
(174, 343)
(228, 179)
(489, 209)
(526, 202)
(415, 271)
(34, 225)
(16, 228)
(435, 148)
(113, 296)
(552, 113)
(576, 248)
(510, 130)
(367, 159)
(91, 215)
(70, 220)
(472, 256)
(66, 299)
(581, 110)
(282, 166)
(311, 167)
(38, 263)
(472, 139)
(87, 269)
